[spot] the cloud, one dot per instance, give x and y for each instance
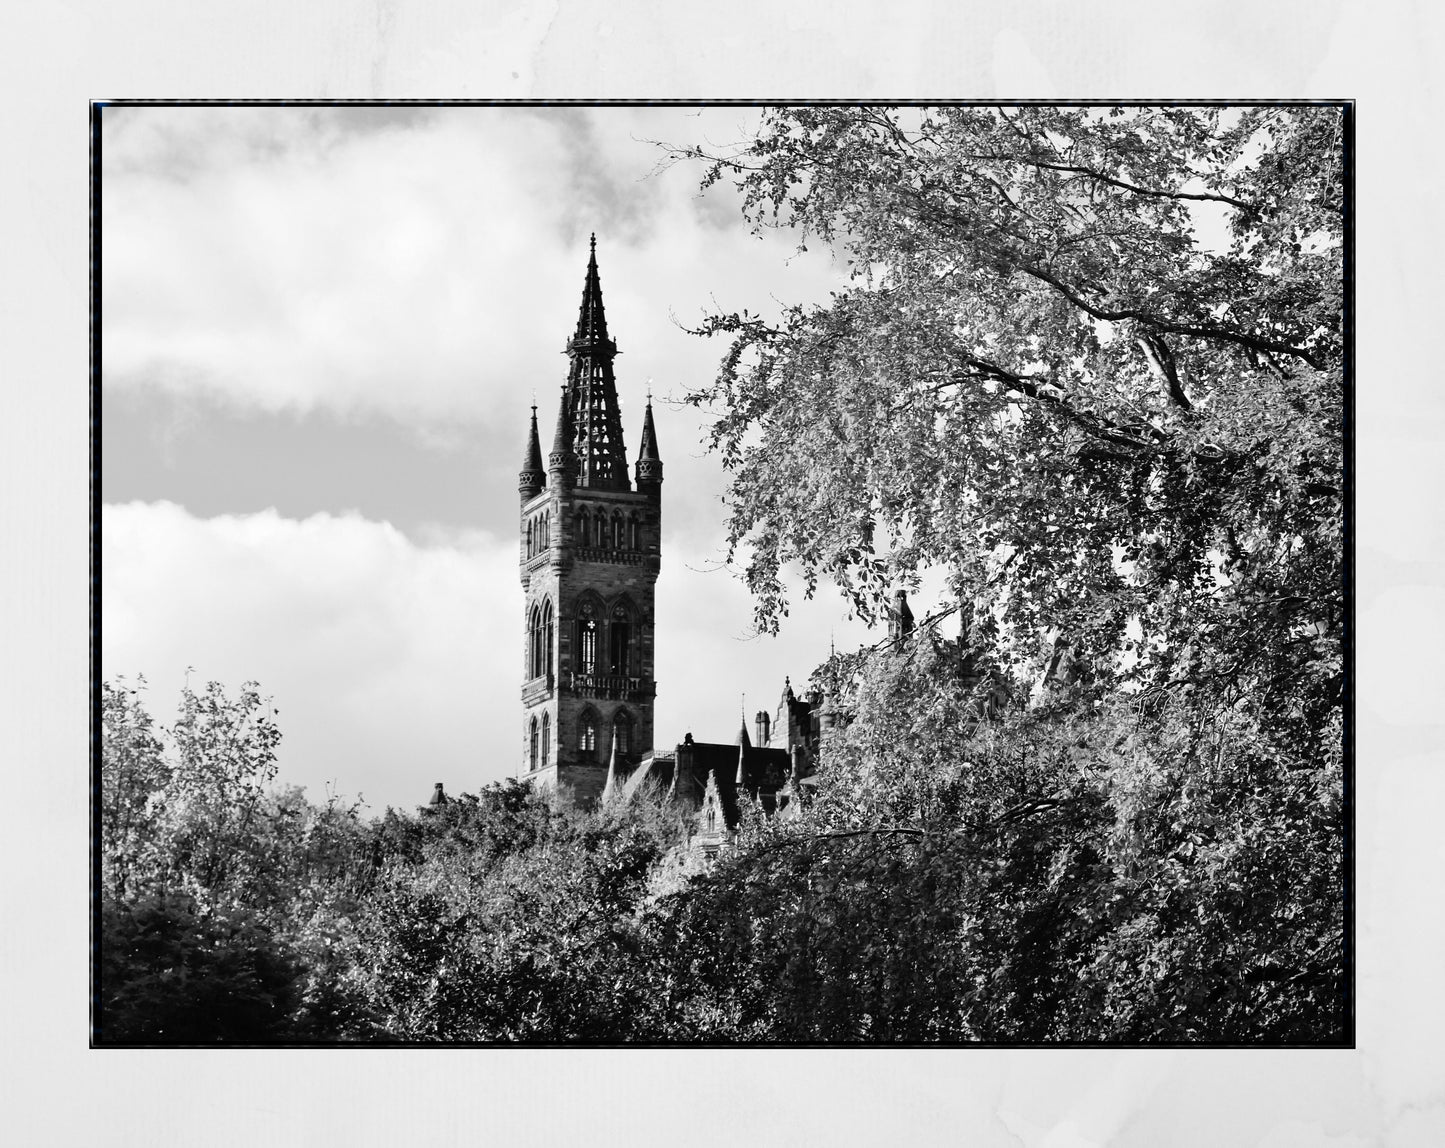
(393, 665)
(423, 266)
(292, 266)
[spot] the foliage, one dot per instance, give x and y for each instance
(172, 975)
(1105, 424)
(217, 891)
(536, 942)
(1045, 379)
(133, 778)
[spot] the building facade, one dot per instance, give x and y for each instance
(590, 556)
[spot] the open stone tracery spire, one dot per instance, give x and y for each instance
(592, 392)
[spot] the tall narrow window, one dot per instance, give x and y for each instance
(583, 526)
(600, 532)
(546, 737)
(587, 639)
(622, 732)
(619, 646)
(539, 640)
(533, 753)
(530, 551)
(618, 541)
(546, 532)
(634, 532)
(534, 642)
(587, 735)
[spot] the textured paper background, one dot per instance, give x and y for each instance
(57, 56)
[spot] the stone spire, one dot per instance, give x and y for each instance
(649, 464)
(610, 788)
(533, 475)
(743, 746)
(592, 392)
(562, 462)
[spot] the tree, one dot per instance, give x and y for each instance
(1091, 363)
(171, 974)
(223, 901)
(1043, 377)
(502, 918)
(133, 779)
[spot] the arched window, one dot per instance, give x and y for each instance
(583, 526)
(532, 755)
(534, 642)
(599, 530)
(546, 532)
(634, 532)
(530, 551)
(546, 737)
(618, 539)
(539, 640)
(587, 626)
(619, 644)
(587, 734)
(622, 732)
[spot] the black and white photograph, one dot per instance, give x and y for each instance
(714, 575)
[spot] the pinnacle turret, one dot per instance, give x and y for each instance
(649, 464)
(533, 475)
(611, 787)
(562, 462)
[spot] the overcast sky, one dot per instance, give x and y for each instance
(321, 333)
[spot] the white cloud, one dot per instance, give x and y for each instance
(393, 665)
(426, 268)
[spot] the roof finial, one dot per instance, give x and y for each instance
(594, 245)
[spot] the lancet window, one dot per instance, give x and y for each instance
(622, 732)
(587, 734)
(539, 644)
(588, 625)
(619, 644)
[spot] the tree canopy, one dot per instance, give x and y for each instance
(1090, 362)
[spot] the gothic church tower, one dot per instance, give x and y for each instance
(590, 556)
